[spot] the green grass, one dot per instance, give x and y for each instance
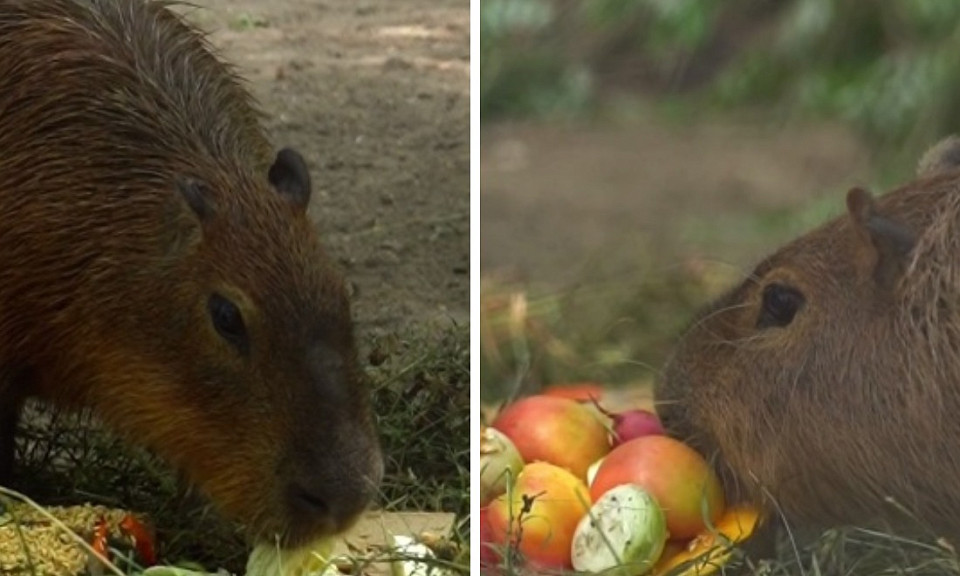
(422, 390)
(423, 395)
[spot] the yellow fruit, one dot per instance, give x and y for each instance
(707, 552)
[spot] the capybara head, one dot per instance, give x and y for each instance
(251, 353)
(159, 265)
(825, 384)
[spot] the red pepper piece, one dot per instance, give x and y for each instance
(143, 540)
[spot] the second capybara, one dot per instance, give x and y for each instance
(826, 385)
(157, 264)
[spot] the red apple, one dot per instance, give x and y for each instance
(634, 424)
(541, 515)
(555, 430)
(675, 474)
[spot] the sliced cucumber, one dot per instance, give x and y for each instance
(623, 534)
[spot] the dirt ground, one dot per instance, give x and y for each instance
(375, 94)
(562, 203)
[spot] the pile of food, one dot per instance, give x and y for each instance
(567, 484)
(95, 540)
(63, 541)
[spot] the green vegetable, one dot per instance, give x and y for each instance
(624, 533)
(313, 559)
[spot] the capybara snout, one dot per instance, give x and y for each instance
(159, 266)
(824, 385)
(330, 483)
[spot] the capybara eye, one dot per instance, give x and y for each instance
(228, 321)
(780, 305)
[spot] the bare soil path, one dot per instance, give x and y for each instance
(557, 201)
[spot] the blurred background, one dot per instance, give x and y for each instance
(639, 156)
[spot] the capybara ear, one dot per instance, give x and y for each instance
(197, 197)
(290, 176)
(884, 245)
(942, 157)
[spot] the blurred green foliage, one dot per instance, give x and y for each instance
(890, 67)
(520, 71)
(535, 54)
(887, 66)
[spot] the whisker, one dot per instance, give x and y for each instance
(665, 402)
(640, 364)
(719, 310)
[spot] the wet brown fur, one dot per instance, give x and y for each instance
(107, 109)
(847, 415)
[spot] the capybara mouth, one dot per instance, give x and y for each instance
(299, 516)
(674, 416)
(311, 515)
(303, 529)
(672, 419)
(321, 498)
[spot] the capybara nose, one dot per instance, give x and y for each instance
(331, 506)
(307, 502)
(332, 502)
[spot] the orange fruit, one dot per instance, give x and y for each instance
(706, 552)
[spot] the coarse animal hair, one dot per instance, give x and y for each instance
(159, 266)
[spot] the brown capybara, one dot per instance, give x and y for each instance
(826, 386)
(157, 265)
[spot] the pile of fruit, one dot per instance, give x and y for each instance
(566, 484)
